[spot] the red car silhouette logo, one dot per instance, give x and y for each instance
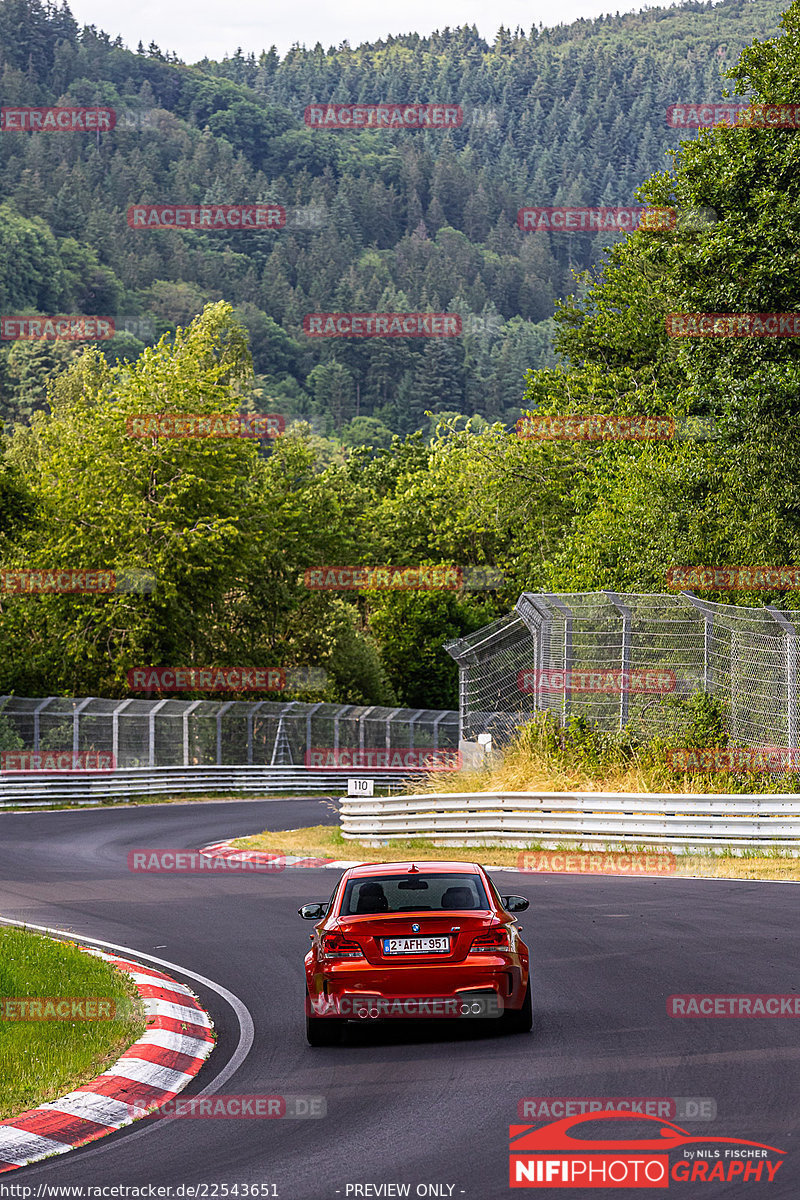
(577, 1152)
(557, 1136)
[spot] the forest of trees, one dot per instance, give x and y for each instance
(413, 221)
(420, 220)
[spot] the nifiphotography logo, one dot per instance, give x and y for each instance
(605, 1149)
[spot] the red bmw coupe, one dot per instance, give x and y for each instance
(404, 940)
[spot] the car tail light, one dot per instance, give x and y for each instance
(336, 946)
(495, 939)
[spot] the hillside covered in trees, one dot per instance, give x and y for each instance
(415, 220)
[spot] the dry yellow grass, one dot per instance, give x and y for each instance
(541, 760)
(520, 771)
(326, 841)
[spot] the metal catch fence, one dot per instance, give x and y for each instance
(615, 658)
(199, 733)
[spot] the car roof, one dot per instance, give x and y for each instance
(402, 868)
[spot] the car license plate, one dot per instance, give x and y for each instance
(416, 945)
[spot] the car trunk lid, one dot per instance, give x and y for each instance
(370, 931)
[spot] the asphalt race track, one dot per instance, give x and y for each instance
(418, 1105)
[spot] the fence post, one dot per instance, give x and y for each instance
(566, 612)
(417, 713)
(790, 641)
(538, 618)
(441, 717)
(361, 721)
(220, 715)
(708, 633)
(191, 706)
(336, 720)
(151, 732)
(624, 692)
(309, 715)
(76, 732)
(36, 712)
(115, 730)
(388, 724)
(733, 676)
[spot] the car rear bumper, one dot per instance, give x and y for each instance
(363, 991)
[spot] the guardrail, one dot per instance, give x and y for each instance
(549, 818)
(33, 789)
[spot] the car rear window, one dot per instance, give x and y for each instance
(413, 893)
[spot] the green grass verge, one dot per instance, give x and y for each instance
(41, 1060)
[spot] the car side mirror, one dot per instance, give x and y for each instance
(514, 903)
(312, 912)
